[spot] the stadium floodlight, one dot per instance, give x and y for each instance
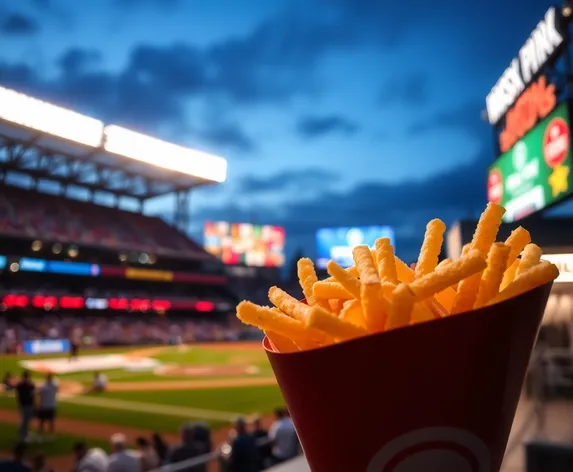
(38, 115)
(141, 147)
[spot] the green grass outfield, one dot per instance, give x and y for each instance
(160, 409)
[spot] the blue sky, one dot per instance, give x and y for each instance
(330, 112)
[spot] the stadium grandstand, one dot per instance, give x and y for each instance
(71, 261)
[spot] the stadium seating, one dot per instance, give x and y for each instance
(54, 218)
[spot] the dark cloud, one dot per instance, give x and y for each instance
(408, 205)
(229, 135)
(410, 90)
(18, 24)
(294, 180)
(310, 127)
(466, 117)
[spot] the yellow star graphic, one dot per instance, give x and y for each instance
(559, 180)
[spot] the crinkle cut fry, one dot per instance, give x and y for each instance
(307, 278)
(268, 320)
(431, 248)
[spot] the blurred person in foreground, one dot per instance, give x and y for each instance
(16, 464)
(283, 437)
(39, 463)
(47, 406)
(25, 395)
(160, 446)
(261, 436)
(244, 453)
(149, 458)
(189, 448)
(89, 460)
(122, 459)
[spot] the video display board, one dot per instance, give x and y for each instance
(245, 243)
(337, 243)
(536, 171)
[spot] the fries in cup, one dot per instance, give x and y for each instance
(381, 293)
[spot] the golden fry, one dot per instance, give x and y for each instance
(402, 305)
(333, 326)
(335, 306)
(307, 278)
(443, 264)
(367, 271)
(422, 312)
(467, 293)
(288, 304)
(431, 248)
(441, 279)
(372, 302)
(530, 257)
(405, 273)
(509, 274)
(517, 240)
(384, 256)
(349, 282)
(465, 249)
(493, 274)
(540, 274)
(270, 320)
(328, 290)
(487, 228)
(280, 343)
(352, 271)
(352, 313)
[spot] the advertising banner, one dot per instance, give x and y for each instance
(46, 346)
(337, 243)
(535, 172)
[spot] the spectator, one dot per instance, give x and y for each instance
(261, 436)
(89, 460)
(25, 390)
(160, 447)
(244, 453)
(39, 463)
(283, 437)
(188, 449)
(47, 407)
(122, 459)
(203, 437)
(16, 464)
(149, 458)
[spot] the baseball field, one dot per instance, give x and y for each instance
(149, 390)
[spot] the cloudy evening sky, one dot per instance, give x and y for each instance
(329, 112)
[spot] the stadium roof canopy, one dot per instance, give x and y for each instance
(48, 142)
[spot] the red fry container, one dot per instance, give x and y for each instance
(437, 396)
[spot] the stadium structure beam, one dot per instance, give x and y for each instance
(182, 210)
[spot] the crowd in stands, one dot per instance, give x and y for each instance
(120, 330)
(56, 218)
(250, 447)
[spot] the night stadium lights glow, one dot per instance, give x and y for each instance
(41, 116)
(38, 115)
(153, 151)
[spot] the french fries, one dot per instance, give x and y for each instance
(381, 293)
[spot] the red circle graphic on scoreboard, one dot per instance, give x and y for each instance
(495, 186)
(556, 142)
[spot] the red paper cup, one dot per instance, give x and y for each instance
(437, 396)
